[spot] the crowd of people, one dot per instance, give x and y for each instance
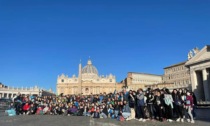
(158, 104)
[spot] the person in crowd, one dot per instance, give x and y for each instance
(150, 104)
(195, 105)
(126, 112)
(11, 110)
(168, 105)
(104, 111)
(131, 100)
(86, 113)
(39, 110)
(140, 105)
(32, 109)
(46, 109)
(178, 105)
(26, 108)
(128, 104)
(73, 110)
(80, 110)
(96, 113)
(111, 111)
(183, 94)
(116, 108)
(159, 105)
(189, 107)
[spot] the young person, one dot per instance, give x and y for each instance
(140, 105)
(189, 107)
(131, 99)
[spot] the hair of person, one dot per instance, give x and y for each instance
(140, 89)
(167, 91)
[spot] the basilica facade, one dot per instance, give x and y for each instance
(87, 82)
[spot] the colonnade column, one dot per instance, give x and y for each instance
(205, 85)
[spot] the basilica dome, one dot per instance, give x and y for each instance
(89, 68)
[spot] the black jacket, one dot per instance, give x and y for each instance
(131, 100)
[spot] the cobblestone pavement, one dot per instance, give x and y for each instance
(38, 120)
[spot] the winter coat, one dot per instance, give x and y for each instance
(131, 101)
(140, 99)
(189, 101)
(26, 107)
(126, 108)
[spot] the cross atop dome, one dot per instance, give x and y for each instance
(89, 62)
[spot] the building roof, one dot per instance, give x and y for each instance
(177, 64)
(89, 68)
(145, 73)
(201, 56)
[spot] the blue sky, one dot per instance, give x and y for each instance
(41, 39)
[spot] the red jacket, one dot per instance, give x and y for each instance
(26, 107)
(189, 101)
(38, 110)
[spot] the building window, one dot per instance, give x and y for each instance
(62, 80)
(110, 80)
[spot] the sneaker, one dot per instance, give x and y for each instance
(182, 120)
(144, 120)
(140, 119)
(170, 120)
(178, 120)
(68, 114)
(188, 120)
(192, 121)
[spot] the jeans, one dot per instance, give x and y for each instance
(116, 113)
(126, 114)
(189, 111)
(103, 115)
(86, 114)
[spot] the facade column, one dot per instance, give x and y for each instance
(2, 95)
(7, 95)
(205, 85)
(194, 83)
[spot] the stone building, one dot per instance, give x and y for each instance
(9, 92)
(88, 82)
(177, 74)
(136, 80)
(199, 65)
(192, 74)
(170, 86)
